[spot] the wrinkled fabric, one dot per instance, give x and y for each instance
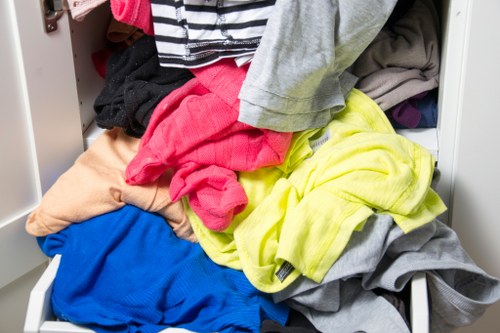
(94, 185)
(419, 111)
(136, 13)
(297, 79)
(195, 132)
(135, 84)
(382, 256)
(119, 32)
(403, 59)
(301, 214)
(197, 33)
(126, 271)
(360, 311)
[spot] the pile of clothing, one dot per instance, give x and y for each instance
(250, 179)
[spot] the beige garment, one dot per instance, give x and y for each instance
(403, 60)
(95, 185)
(121, 32)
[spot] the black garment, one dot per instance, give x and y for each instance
(135, 83)
(400, 10)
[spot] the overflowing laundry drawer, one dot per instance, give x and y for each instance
(39, 317)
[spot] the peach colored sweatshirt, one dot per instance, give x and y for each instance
(95, 185)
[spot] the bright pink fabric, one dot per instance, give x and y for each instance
(136, 13)
(214, 193)
(195, 130)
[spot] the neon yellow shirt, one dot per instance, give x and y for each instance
(301, 214)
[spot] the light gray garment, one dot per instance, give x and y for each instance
(363, 251)
(297, 78)
(403, 60)
(382, 256)
(360, 311)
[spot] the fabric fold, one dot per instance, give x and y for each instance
(309, 46)
(126, 271)
(136, 13)
(404, 58)
(94, 185)
(302, 213)
(197, 125)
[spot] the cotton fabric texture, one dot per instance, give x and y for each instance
(136, 13)
(403, 59)
(94, 185)
(135, 83)
(297, 79)
(119, 32)
(420, 111)
(196, 33)
(383, 256)
(195, 131)
(137, 276)
(303, 212)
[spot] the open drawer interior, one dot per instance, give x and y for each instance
(39, 317)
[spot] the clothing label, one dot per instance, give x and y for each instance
(317, 143)
(284, 271)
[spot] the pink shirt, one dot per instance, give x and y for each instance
(136, 13)
(195, 130)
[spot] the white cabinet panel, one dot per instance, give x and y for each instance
(18, 167)
(475, 215)
(455, 39)
(476, 197)
(51, 90)
(40, 129)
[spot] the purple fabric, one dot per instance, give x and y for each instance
(406, 113)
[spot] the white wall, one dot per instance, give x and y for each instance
(476, 198)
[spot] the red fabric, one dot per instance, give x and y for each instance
(195, 131)
(136, 13)
(99, 59)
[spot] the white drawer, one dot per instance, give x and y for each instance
(39, 317)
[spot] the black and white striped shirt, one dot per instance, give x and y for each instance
(194, 33)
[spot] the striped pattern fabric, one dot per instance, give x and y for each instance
(195, 33)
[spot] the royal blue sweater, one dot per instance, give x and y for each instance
(126, 271)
